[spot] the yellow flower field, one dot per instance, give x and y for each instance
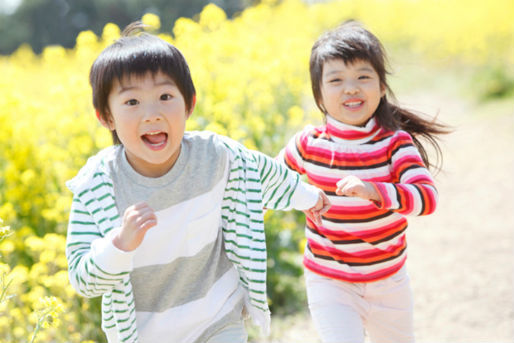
(251, 74)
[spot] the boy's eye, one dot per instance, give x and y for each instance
(364, 77)
(166, 96)
(335, 80)
(132, 102)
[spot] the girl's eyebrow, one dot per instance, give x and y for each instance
(332, 72)
(368, 69)
(338, 71)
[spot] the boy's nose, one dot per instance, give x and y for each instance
(152, 113)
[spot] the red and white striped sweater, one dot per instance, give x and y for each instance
(361, 240)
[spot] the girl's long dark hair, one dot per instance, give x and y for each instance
(351, 42)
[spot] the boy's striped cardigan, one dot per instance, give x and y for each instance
(255, 181)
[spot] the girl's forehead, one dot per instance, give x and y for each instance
(347, 62)
(340, 65)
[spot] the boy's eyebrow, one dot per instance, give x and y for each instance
(128, 88)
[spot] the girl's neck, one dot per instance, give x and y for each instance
(345, 133)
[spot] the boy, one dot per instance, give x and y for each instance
(167, 225)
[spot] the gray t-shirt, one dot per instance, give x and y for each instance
(184, 286)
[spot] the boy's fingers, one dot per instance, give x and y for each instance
(314, 216)
(148, 224)
(146, 217)
(141, 206)
(318, 219)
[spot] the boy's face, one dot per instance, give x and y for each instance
(350, 92)
(149, 115)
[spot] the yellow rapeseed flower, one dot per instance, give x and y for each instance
(152, 20)
(86, 39)
(110, 33)
(4, 230)
(212, 17)
(48, 311)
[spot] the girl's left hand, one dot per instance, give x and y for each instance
(352, 186)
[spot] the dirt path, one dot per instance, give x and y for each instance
(461, 259)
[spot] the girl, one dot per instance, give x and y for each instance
(368, 159)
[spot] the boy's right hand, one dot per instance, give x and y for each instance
(322, 205)
(137, 220)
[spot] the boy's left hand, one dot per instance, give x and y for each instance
(317, 210)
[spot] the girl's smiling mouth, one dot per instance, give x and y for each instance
(353, 104)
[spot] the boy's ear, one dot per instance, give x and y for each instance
(193, 103)
(106, 123)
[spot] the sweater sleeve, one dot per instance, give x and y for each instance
(293, 153)
(282, 188)
(413, 192)
(95, 265)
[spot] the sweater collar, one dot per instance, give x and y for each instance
(345, 133)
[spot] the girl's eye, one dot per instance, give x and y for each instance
(335, 80)
(132, 102)
(166, 97)
(364, 77)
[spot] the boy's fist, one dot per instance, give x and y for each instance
(137, 220)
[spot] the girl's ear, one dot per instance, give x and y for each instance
(105, 123)
(382, 90)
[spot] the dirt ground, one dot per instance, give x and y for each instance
(461, 259)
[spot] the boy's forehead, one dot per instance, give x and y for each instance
(132, 79)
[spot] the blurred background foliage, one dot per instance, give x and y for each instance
(39, 23)
(249, 63)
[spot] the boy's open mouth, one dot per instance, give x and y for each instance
(155, 140)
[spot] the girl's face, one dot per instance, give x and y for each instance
(149, 115)
(350, 92)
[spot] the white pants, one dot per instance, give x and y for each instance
(343, 311)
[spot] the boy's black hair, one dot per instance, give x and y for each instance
(136, 55)
(351, 42)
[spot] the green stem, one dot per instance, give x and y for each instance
(38, 325)
(4, 289)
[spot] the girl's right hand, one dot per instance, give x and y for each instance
(137, 220)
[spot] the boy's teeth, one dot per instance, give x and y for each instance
(155, 137)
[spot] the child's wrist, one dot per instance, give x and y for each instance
(371, 192)
(119, 243)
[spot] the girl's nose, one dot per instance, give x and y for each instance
(351, 89)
